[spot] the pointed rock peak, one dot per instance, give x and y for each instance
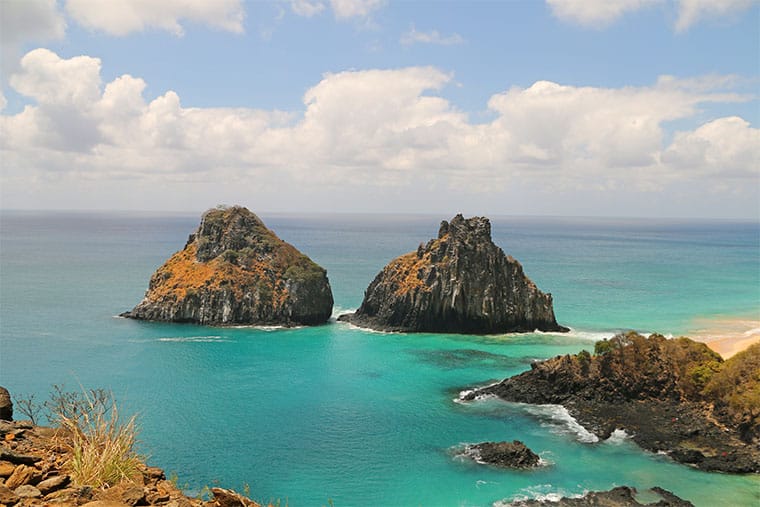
(465, 228)
(229, 228)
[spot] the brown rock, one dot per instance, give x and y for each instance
(6, 405)
(27, 491)
(6, 468)
(133, 495)
(53, 483)
(21, 475)
(229, 498)
(105, 503)
(7, 497)
(63, 495)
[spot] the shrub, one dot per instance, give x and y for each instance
(602, 347)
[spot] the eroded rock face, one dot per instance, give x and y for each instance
(233, 271)
(460, 282)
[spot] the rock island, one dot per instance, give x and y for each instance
(235, 271)
(459, 282)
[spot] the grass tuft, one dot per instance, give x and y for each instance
(101, 444)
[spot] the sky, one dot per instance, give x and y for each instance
(518, 107)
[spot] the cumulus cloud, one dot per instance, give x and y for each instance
(374, 129)
(24, 20)
(432, 37)
(126, 16)
(602, 13)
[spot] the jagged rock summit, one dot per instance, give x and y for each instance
(235, 271)
(460, 282)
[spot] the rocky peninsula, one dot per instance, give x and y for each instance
(673, 396)
(235, 271)
(459, 282)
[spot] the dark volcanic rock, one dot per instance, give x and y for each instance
(6, 405)
(460, 282)
(622, 496)
(651, 387)
(233, 270)
(513, 454)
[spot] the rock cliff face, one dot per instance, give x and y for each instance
(460, 282)
(233, 271)
(674, 396)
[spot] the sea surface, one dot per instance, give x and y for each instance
(343, 415)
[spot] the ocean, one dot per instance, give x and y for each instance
(338, 414)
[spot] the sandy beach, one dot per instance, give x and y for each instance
(727, 335)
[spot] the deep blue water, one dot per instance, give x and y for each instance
(361, 418)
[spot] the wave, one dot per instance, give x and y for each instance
(540, 492)
(618, 437)
(193, 339)
(561, 421)
(466, 392)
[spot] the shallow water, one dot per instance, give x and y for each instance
(335, 412)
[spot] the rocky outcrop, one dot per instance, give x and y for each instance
(235, 271)
(513, 454)
(6, 405)
(460, 282)
(34, 470)
(658, 390)
(622, 496)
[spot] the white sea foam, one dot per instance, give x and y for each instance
(541, 492)
(618, 437)
(463, 394)
(561, 420)
(192, 339)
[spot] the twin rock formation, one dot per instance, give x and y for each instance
(460, 282)
(235, 271)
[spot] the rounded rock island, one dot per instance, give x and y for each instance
(235, 271)
(460, 282)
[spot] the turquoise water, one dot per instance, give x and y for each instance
(361, 418)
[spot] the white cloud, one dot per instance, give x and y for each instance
(30, 20)
(126, 16)
(596, 13)
(692, 11)
(347, 9)
(432, 37)
(602, 13)
(307, 8)
(726, 147)
(374, 129)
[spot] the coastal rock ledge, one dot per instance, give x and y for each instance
(460, 282)
(235, 271)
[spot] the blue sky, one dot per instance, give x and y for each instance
(563, 107)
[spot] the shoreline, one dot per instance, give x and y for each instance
(726, 334)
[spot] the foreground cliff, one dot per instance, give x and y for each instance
(460, 282)
(673, 396)
(235, 271)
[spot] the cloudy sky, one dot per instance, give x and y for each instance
(521, 107)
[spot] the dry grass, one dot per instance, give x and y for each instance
(101, 445)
